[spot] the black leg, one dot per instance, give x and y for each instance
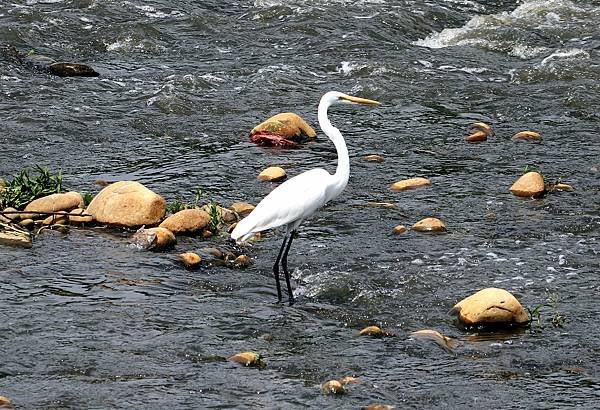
(285, 269)
(276, 269)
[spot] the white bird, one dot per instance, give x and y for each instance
(299, 197)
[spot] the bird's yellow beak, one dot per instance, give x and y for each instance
(358, 100)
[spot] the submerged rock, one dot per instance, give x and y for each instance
(479, 131)
(527, 136)
(374, 331)
(444, 342)
(39, 62)
(127, 203)
(242, 261)
(410, 183)
(187, 221)
(378, 406)
(61, 218)
(154, 239)
(333, 387)
(429, 225)
(281, 130)
(561, 187)
(491, 306)
(399, 229)
(191, 260)
(78, 216)
(53, 203)
(272, 174)
(5, 403)
(248, 359)
(373, 158)
(529, 185)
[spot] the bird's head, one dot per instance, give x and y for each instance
(334, 97)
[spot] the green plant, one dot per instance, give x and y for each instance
(214, 213)
(87, 198)
(557, 319)
(178, 204)
(24, 188)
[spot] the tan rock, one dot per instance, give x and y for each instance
(187, 221)
(447, 343)
(272, 174)
(373, 158)
(410, 184)
(349, 380)
(127, 203)
(15, 238)
(333, 387)
(374, 331)
(481, 126)
(53, 203)
(27, 223)
(5, 403)
(491, 306)
(249, 359)
(287, 125)
(191, 260)
(78, 216)
(61, 218)
(399, 229)
(242, 208)
(379, 406)
(562, 187)
(242, 261)
(529, 185)
(477, 136)
(10, 216)
(527, 136)
(429, 225)
(154, 238)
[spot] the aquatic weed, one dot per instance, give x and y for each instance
(24, 188)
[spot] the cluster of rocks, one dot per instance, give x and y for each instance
(127, 204)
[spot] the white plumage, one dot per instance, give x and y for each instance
(299, 197)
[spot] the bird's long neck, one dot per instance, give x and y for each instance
(342, 172)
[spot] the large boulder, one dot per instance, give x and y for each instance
(127, 203)
(187, 221)
(53, 203)
(491, 306)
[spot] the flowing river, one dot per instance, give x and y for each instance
(89, 322)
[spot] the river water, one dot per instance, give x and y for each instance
(88, 321)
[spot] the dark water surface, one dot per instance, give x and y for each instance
(86, 321)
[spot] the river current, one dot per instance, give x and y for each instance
(88, 321)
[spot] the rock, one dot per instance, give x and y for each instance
(10, 216)
(384, 205)
(5, 403)
(287, 125)
(491, 306)
(78, 216)
(242, 208)
(27, 223)
(529, 185)
(15, 238)
(72, 70)
(562, 187)
(333, 387)
(154, 238)
(429, 225)
(127, 203)
(53, 203)
(444, 342)
(191, 260)
(272, 174)
(374, 331)
(410, 184)
(477, 136)
(373, 158)
(399, 229)
(61, 218)
(242, 261)
(527, 136)
(187, 221)
(349, 380)
(248, 359)
(378, 406)
(481, 126)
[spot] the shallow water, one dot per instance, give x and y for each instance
(90, 322)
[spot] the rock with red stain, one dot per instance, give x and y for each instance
(281, 130)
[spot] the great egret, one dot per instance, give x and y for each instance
(299, 197)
